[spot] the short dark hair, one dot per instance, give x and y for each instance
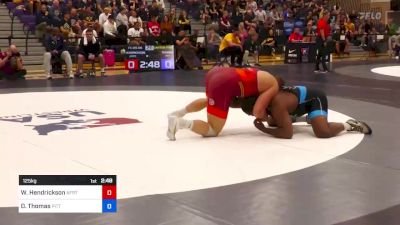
(89, 30)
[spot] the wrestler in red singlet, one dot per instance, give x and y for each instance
(222, 84)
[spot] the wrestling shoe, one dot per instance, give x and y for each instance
(359, 126)
(172, 127)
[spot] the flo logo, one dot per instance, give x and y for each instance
(66, 120)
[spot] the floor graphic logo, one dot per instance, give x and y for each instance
(66, 120)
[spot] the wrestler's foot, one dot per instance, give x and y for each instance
(172, 127)
(359, 126)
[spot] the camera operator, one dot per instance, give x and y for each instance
(11, 66)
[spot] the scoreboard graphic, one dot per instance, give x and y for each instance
(150, 57)
(67, 193)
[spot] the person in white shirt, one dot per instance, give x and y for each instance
(260, 15)
(135, 18)
(122, 18)
(161, 4)
(252, 5)
(104, 15)
(110, 30)
(135, 31)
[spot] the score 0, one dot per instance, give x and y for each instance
(131, 64)
(167, 64)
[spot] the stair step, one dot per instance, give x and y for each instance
(33, 63)
(21, 47)
(36, 51)
(7, 32)
(19, 42)
(17, 36)
(31, 57)
(17, 25)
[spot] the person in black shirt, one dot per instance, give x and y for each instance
(154, 10)
(89, 49)
(251, 46)
(143, 13)
(55, 50)
(42, 21)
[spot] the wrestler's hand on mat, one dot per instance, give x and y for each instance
(259, 125)
(260, 114)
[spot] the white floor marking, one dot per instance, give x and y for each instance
(393, 71)
(139, 153)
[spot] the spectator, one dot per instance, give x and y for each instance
(75, 21)
(89, 49)
(242, 32)
(296, 36)
(351, 30)
(232, 46)
(184, 22)
(165, 38)
(143, 13)
(269, 42)
(87, 17)
(79, 4)
(199, 43)
(154, 27)
(104, 15)
(251, 46)
(275, 15)
(161, 4)
(341, 42)
(213, 12)
(309, 33)
(172, 17)
(66, 27)
(135, 31)
(236, 17)
(11, 66)
(372, 44)
(249, 19)
(147, 38)
(393, 31)
(353, 16)
(396, 48)
(204, 13)
(42, 21)
(55, 14)
(154, 10)
(122, 18)
(260, 16)
(252, 5)
(186, 52)
(224, 24)
(55, 51)
(229, 6)
(67, 7)
(213, 42)
(135, 18)
(110, 31)
(166, 25)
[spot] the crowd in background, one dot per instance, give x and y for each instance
(137, 22)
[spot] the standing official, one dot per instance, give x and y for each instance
(323, 32)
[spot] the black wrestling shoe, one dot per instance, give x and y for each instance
(359, 126)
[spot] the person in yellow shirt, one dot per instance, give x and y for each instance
(231, 46)
(350, 29)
